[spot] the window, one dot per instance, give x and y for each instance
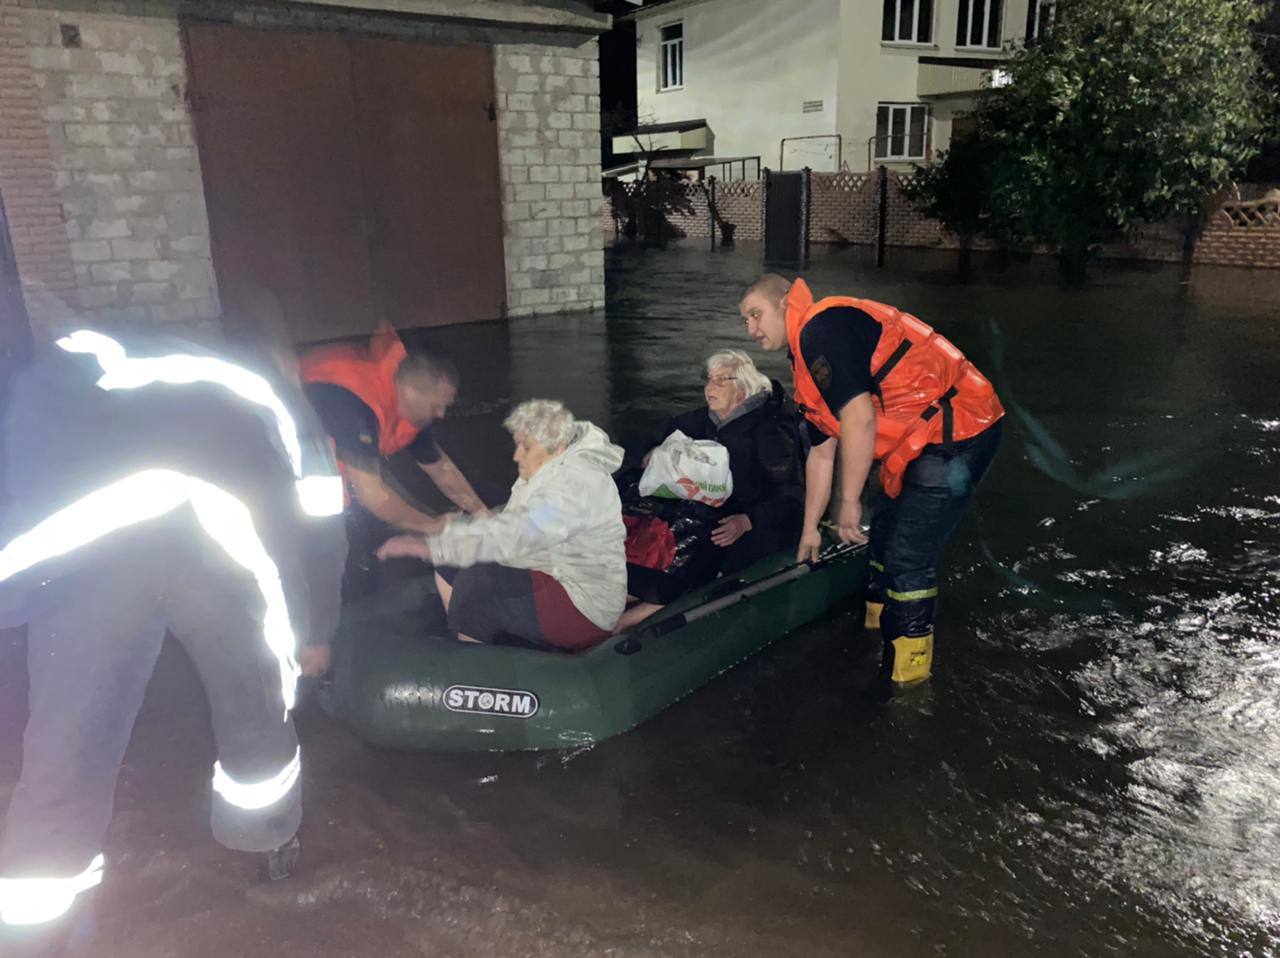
(901, 131)
(979, 23)
(672, 51)
(907, 21)
(962, 126)
(1039, 18)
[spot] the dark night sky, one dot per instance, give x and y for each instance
(617, 83)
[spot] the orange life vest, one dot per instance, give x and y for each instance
(368, 372)
(926, 391)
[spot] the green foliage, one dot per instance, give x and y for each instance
(1127, 112)
(954, 189)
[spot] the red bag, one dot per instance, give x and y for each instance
(650, 542)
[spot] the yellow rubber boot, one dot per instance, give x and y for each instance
(872, 621)
(912, 659)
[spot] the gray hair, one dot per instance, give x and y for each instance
(743, 368)
(545, 421)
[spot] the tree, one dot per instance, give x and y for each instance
(1265, 167)
(646, 211)
(954, 190)
(1128, 112)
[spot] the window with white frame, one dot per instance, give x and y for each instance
(1040, 15)
(671, 75)
(907, 21)
(902, 131)
(979, 24)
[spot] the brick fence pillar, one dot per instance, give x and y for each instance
(40, 243)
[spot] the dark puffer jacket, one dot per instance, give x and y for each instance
(767, 461)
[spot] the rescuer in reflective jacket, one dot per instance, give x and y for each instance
(156, 486)
(886, 388)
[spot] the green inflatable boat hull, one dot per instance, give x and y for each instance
(396, 687)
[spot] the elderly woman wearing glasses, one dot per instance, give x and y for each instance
(550, 567)
(746, 413)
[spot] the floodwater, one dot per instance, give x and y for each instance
(1094, 769)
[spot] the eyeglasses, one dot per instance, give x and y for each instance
(721, 380)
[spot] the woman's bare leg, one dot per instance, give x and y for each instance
(444, 590)
(635, 615)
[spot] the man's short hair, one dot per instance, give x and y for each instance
(424, 371)
(771, 285)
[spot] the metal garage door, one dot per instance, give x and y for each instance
(355, 178)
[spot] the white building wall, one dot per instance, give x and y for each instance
(873, 71)
(749, 66)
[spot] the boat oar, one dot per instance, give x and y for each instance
(632, 643)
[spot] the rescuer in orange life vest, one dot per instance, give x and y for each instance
(375, 401)
(887, 389)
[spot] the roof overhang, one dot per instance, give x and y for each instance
(688, 136)
(552, 16)
(941, 77)
(696, 162)
(640, 9)
(677, 163)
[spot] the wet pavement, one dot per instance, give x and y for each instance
(1094, 769)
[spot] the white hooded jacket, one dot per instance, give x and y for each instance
(566, 522)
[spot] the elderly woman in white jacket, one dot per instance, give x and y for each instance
(550, 567)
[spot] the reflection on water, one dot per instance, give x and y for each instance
(1094, 770)
(1096, 767)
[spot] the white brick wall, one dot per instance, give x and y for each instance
(127, 173)
(125, 164)
(549, 147)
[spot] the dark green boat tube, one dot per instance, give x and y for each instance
(396, 687)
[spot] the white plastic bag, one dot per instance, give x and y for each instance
(684, 468)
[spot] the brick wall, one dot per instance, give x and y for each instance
(1161, 244)
(906, 225)
(549, 151)
(738, 203)
(687, 208)
(675, 208)
(1238, 241)
(844, 208)
(32, 208)
(125, 163)
(1240, 234)
(102, 181)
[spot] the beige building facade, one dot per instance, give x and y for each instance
(827, 84)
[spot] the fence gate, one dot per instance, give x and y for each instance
(786, 231)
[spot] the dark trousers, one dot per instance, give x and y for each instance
(754, 546)
(364, 573)
(707, 561)
(909, 532)
(92, 645)
(365, 533)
